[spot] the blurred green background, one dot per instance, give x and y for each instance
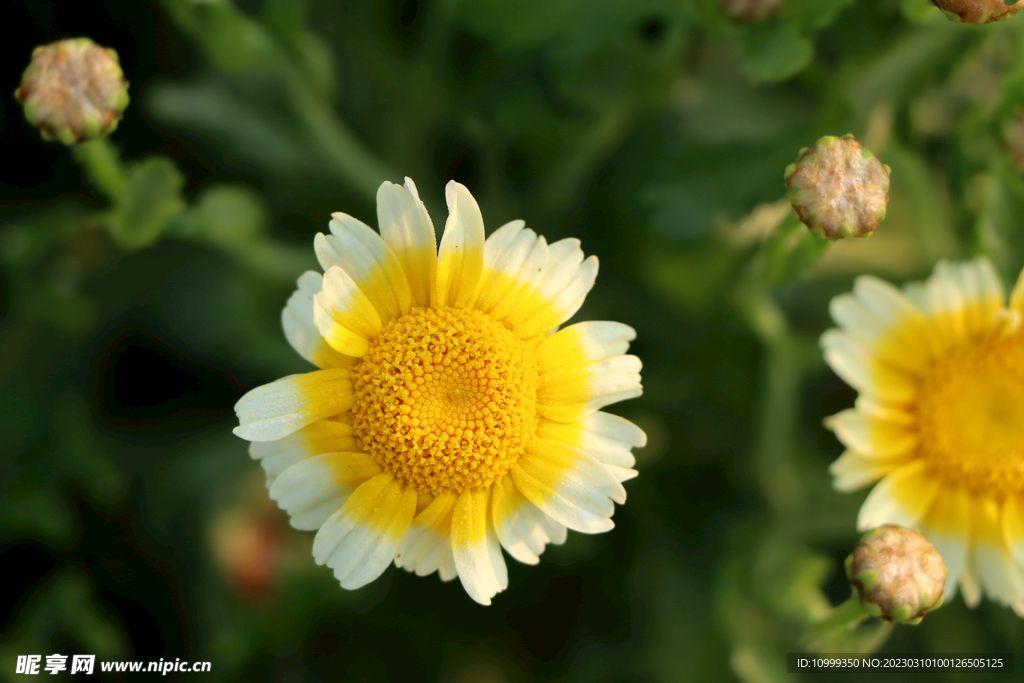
(136, 526)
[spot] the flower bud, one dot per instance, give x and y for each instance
(898, 574)
(73, 90)
(978, 11)
(1013, 139)
(838, 188)
(751, 10)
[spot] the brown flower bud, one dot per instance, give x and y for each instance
(838, 188)
(751, 10)
(978, 11)
(898, 574)
(1013, 139)
(73, 90)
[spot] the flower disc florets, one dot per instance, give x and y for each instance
(446, 399)
(898, 573)
(73, 90)
(978, 11)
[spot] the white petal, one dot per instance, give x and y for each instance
(460, 259)
(569, 485)
(360, 540)
(902, 498)
(300, 330)
(573, 392)
(323, 436)
(564, 304)
(312, 490)
(344, 315)
(355, 248)
(481, 567)
(518, 523)
(406, 228)
(853, 471)
(586, 341)
(275, 410)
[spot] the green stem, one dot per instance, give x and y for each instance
(784, 256)
(352, 161)
(843, 617)
(103, 167)
(773, 459)
(565, 182)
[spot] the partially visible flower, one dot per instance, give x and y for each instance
(838, 188)
(751, 10)
(450, 419)
(73, 90)
(940, 418)
(978, 11)
(247, 540)
(898, 575)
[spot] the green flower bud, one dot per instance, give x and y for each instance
(751, 10)
(978, 11)
(73, 91)
(838, 188)
(898, 574)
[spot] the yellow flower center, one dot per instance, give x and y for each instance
(446, 399)
(971, 415)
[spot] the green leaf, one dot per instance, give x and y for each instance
(227, 214)
(774, 51)
(227, 121)
(813, 14)
(232, 41)
(286, 21)
(151, 198)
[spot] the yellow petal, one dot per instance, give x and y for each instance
(902, 497)
(885, 321)
(407, 230)
(556, 303)
(476, 548)
(313, 489)
(323, 436)
(872, 436)
(573, 392)
(275, 410)
(521, 526)
(360, 540)
(1017, 297)
(587, 341)
(852, 470)
(503, 244)
(569, 485)
(854, 361)
(1000, 575)
(981, 291)
(515, 276)
(947, 524)
(1013, 526)
(300, 329)
(609, 438)
(344, 315)
(460, 259)
(429, 541)
(355, 248)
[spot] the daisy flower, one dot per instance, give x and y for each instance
(939, 419)
(450, 418)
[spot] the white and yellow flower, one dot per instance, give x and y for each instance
(939, 418)
(449, 418)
